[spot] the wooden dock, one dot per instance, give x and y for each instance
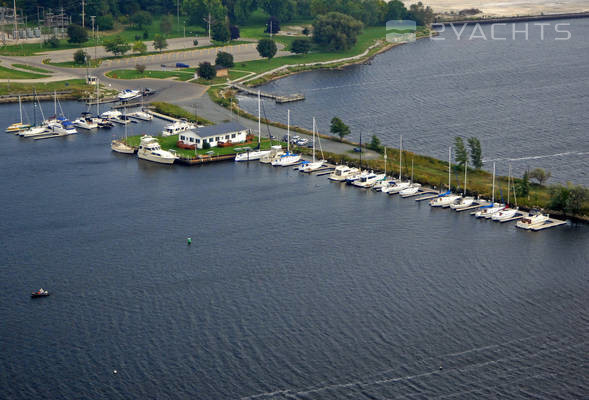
(162, 116)
(279, 99)
(428, 196)
(419, 193)
(206, 159)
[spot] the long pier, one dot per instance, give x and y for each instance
(275, 97)
(525, 18)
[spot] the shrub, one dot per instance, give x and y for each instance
(105, 22)
(206, 70)
(80, 57)
(140, 68)
(224, 59)
(301, 46)
(195, 42)
(76, 34)
(267, 48)
(206, 145)
(53, 42)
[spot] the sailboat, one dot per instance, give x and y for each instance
(18, 126)
(259, 153)
(383, 183)
(508, 212)
(35, 130)
(313, 165)
(400, 185)
(489, 210)
(288, 158)
(121, 146)
(413, 187)
(465, 201)
(59, 125)
(445, 199)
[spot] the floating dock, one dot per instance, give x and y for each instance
(103, 101)
(475, 205)
(162, 116)
(419, 193)
(206, 159)
(551, 223)
(279, 99)
(517, 216)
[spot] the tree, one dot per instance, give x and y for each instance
(220, 31)
(523, 187)
(420, 14)
(559, 198)
(540, 175)
(395, 10)
(300, 46)
(306, 31)
(199, 10)
(195, 42)
(139, 47)
(267, 48)
(272, 24)
(336, 31)
(224, 59)
(76, 34)
(374, 143)
(234, 32)
(80, 57)
(476, 153)
(461, 155)
(117, 45)
(105, 22)
(159, 42)
(206, 70)
(284, 10)
(140, 68)
(52, 42)
(578, 196)
(166, 24)
(141, 19)
(339, 128)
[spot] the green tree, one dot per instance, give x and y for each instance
(421, 14)
(374, 144)
(306, 31)
(105, 22)
(166, 24)
(336, 31)
(141, 19)
(224, 59)
(117, 45)
(140, 68)
(198, 11)
(284, 10)
(273, 24)
(267, 48)
(159, 42)
(578, 196)
(460, 153)
(559, 198)
(523, 186)
(80, 57)
(76, 34)
(339, 128)
(476, 153)
(52, 42)
(395, 10)
(206, 70)
(234, 32)
(300, 46)
(220, 31)
(139, 47)
(540, 175)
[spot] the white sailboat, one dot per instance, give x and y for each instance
(488, 211)
(313, 165)
(121, 146)
(259, 153)
(413, 187)
(465, 201)
(508, 212)
(288, 158)
(399, 185)
(18, 126)
(384, 182)
(275, 152)
(35, 130)
(446, 199)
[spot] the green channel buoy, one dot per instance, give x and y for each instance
(189, 240)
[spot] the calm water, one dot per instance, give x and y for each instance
(526, 100)
(294, 287)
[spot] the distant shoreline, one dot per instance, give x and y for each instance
(527, 18)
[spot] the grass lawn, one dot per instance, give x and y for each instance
(169, 143)
(134, 74)
(70, 64)
(31, 68)
(220, 80)
(77, 85)
(8, 73)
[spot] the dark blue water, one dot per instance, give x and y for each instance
(526, 100)
(293, 287)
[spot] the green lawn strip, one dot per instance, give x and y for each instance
(32, 68)
(78, 86)
(178, 112)
(70, 64)
(134, 74)
(170, 143)
(8, 73)
(219, 80)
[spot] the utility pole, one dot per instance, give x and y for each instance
(208, 21)
(178, 13)
(83, 15)
(15, 33)
(92, 17)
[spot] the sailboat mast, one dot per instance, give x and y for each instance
(465, 168)
(20, 108)
(493, 196)
(412, 171)
(55, 103)
(400, 158)
(288, 131)
(385, 162)
(125, 111)
(449, 165)
(508, 184)
(98, 98)
(259, 119)
(313, 139)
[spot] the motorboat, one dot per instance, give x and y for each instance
(86, 121)
(462, 203)
(251, 155)
(341, 173)
(505, 214)
(488, 211)
(396, 188)
(533, 220)
(62, 126)
(353, 176)
(287, 159)
(150, 150)
(362, 175)
(111, 114)
(411, 190)
(177, 127)
(34, 131)
(40, 293)
(368, 181)
(275, 152)
(382, 184)
(129, 94)
(103, 123)
(142, 115)
(120, 146)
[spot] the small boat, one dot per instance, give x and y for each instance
(177, 127)
(396, 188)
(111, 114)
(150, 150)
(444, 200)
(287, 159)
(315, 164)
(534, 219)
(40, 293)
(142, 115)
(86, 121)
(103, 123)
(61, 126)
(121, 146)
(275, 152)
(493, 208)
(368, 181)
(412, 189)
(341, 173)
(18, 126)
(364, 175)
(129, 94)
(461, 203)
(34, 131)
(505, 214)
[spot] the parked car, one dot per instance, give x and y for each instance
(148, 92)
(182, 65)
(302, 142)
(357, 149)
(285, 138)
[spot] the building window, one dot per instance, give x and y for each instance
(233, 136)
(197, 140)
(182, 137)
(227, 137)
(191, 140)
(217, 138)
(211, 140)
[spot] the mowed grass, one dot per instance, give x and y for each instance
(134, 74)
(78, 86)
(31, 68)
(8, 73)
